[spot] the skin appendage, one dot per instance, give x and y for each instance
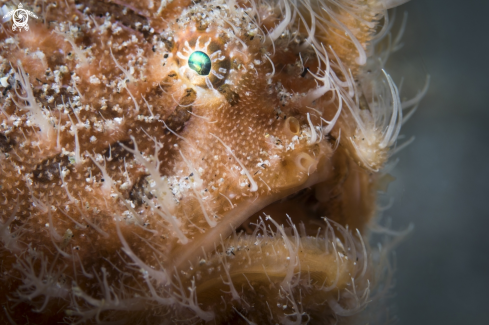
(197, 162)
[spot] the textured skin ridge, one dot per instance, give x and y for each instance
(135, 191)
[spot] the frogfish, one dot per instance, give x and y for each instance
(196, 162)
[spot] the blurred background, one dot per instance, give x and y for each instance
(442, 184)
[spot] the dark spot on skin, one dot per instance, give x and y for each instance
(189, 97)
(48, 170)
(168, 43)
(140, 190)
(57, 58)
(154, 48)
(6, 144)
(6, 90)
(167, 81)
(304, 73)
(117, 151)
(202, 25)
(165, 56)
(156, 91)
(181, 114)
(231, 96)
(172, 76)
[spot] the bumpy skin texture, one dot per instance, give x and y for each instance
(134, 190)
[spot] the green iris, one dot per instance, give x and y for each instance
(200, 62)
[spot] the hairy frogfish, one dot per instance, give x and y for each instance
(195, 162)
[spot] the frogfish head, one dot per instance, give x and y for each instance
(214, 161)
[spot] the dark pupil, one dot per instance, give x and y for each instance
(200, 63)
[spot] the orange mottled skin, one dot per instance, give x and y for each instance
(175, 228)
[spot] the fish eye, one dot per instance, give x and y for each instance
(200, 63)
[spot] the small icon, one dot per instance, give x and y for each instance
(20, 17)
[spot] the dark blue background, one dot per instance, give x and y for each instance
(442, 181)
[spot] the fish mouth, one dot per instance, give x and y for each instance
(266, 242)
(232, 222)
(302, 203)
